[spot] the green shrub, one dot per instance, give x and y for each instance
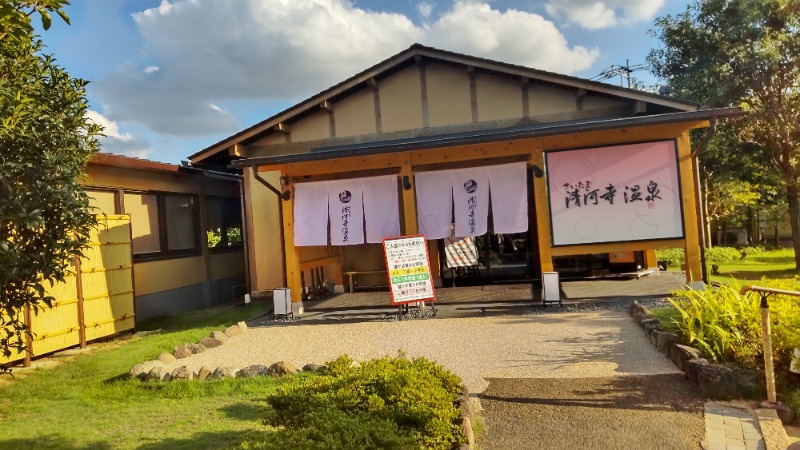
(331, 428)
(388, 403)
(673, 256)
(721, 255)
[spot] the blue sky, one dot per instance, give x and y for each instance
(169, 78)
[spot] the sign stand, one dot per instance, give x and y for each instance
(551, 292)
(409, 272)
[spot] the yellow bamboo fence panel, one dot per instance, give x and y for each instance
(107, 279)
(57, 327)
(96, 298)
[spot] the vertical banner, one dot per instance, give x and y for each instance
(471, 201)
(409, 269)
(346, 211)
(311, 214)
(434, 203)
(381, 210)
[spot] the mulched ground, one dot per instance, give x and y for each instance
(625, 412)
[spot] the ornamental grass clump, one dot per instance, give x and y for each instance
(382, 403)
(726, 326)
(722, 324)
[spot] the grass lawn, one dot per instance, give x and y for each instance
(773, 264)
(89, 402)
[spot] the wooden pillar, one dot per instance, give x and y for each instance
(28, 336)
(650, 259)
(293, 272)
(542, 212)
(692, 239)
(409, 197)
(81, 305)
(433, 255)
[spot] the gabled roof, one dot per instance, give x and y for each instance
(419, 52)
(476, 137)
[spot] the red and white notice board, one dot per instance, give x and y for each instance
(409, 269)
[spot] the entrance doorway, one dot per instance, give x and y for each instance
(501, 258)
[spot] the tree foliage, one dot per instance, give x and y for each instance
(15, 16)
(45, 144)
(743, 52)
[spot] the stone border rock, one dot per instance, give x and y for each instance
(155, 370)
(715, 381)
(468, 417)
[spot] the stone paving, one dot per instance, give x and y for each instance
(729, 428)
(576, 291)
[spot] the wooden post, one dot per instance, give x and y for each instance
(28, 337)
(691, 236)
(409, 197)
(542, 212)
(81, 315)
(650, 259)
(293, 273)
(766, 342)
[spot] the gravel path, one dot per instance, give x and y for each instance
(558, 345)
(630, 412)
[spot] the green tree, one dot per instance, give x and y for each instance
(45, 144)
(743, 52)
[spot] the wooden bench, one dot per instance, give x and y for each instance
(353, 277)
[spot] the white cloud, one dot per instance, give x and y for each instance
(597, 14)
(512, 36)
(209, 51)
(151, 69)
(118, 142)
(425, 9)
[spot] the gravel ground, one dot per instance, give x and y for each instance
(630, 412)
(602, 343)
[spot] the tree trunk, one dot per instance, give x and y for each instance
(794, 218)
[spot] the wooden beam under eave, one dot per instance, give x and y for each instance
(236, 150)
(497, 149)
(593, 249)
(619, 136)
(332, 166)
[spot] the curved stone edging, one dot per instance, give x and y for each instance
(468, 417)
(155, 370)
(714, 380)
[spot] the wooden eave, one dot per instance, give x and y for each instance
(695, 119)
(126, 162)
(416, 52)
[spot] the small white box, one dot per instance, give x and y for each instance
(281, 301)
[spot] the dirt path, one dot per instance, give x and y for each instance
(621, 412)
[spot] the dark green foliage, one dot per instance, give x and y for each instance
(673, 256)
(45, 143)
(382, 403)
(717, 255)
(15, 16)
(742, 53)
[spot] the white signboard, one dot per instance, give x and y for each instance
(614, 194)
(409, 269)
(461, 252)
